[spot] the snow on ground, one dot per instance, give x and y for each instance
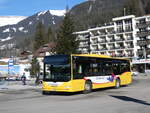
(25, 31)
(21, 28)
(8, 38)
(42, 13)
(6, 30)
(58, 12)
(54, 22)
(30, 23)
(9, 20)
(14, 29)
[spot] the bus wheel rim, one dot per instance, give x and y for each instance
(87, 87)
(117, 83)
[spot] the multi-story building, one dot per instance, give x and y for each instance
(126, 36)
(114, 39)
(143, 36)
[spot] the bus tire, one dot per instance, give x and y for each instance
(117, 83)
(87, 87)
(44, 92)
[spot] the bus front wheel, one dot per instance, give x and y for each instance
(117, 84)
(87, 87)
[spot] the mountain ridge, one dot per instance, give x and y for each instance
(13, 36)
(91, 13)
(28, 25)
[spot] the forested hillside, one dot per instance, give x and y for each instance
(86, 15)
(97, 12)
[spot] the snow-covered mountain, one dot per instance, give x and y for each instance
(26, 27)
(54, 12)
(10, 20)
(12, 35)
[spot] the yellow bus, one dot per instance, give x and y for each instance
(84, 72)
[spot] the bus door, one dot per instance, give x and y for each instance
(78, 75)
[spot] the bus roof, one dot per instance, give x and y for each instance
(99, 56)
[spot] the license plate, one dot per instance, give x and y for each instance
(53, 84)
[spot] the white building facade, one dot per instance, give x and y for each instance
(126, 36)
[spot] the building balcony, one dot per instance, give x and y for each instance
(94, 49)
(83, 46)
(103, 49)
(110, 32)
(120, 31)
(102, 41)
(128, 47)
(83, 51)
(112, 40)
(128, 30)
(130, 55)
(143, 25)
(119, 39)
(143, 33)
(83, 39)
(121, 55)
(129, 38)
(112, 48)
(122, 47)
(143, 42)
(102, 33)
(141, 51)
(94, 42)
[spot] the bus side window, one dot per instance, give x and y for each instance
(107, 68)
(125, 67)
(116, 69)
(78, 71)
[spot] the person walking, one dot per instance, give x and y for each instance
(23, 78)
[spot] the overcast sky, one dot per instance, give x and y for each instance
(29, 7)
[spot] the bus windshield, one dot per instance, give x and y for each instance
(57, 70)
(57, 73)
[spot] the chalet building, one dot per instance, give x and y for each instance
(46, 49)
(126, 36)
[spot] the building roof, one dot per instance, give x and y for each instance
(25, 53)
(41, 52)
(123, 17)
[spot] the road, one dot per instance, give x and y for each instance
(134, 98)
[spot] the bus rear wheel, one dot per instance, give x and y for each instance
(117, 84)
(87, 87)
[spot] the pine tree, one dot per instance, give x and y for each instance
(35, 67)
(134, 7)
(66, 40)
(50, 35)
(40, 38)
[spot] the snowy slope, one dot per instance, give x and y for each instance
(58, 12)
(16, 27)
(53, 12)
(12, 27)
(9, 20)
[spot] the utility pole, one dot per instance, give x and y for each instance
(124, 12)
(144, 52)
